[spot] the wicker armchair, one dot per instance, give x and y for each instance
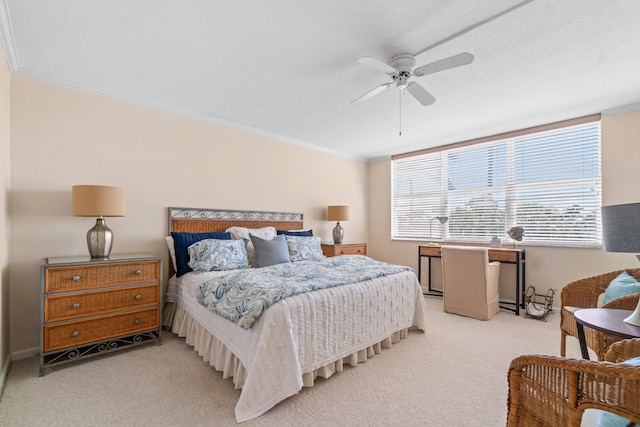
(555, 391)
(584, 293)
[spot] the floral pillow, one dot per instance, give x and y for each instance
(304, 248)
(216, 255)
(181, 243)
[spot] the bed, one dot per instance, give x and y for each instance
(297, 339)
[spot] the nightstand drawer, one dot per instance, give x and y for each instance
(71, 278)
(84, 331)
(337, 249)
(91, 303)
(351, 250)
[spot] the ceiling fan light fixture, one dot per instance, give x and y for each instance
(401, 81)
(402, 67)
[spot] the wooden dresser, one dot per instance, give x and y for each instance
(91, 307)
(335, 249)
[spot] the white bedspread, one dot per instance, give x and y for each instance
(305, 332)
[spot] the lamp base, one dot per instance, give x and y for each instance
(100, 240)
(338, 233)
(634, 319)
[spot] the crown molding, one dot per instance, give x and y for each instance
(6, 33)
(179, 112)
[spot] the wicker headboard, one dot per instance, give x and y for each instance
(195, 220)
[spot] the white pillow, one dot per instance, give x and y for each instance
(172, 252)
(266, 233)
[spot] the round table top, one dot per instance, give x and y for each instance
(608, 320)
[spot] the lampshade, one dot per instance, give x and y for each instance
(621, 228)
(338, 213)
(98, 200)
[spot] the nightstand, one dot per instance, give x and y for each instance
(91, 307)
(336, 249)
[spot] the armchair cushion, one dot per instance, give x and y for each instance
(621, 286)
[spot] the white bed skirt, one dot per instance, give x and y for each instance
(222, 359)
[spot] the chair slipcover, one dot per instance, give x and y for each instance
(470, 282)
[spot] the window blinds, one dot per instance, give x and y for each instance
(547, 182)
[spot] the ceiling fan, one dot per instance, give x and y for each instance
(402, 67)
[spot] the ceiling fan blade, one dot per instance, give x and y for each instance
(454, 61)
(420, 93)
(371, 93)
(376, 64)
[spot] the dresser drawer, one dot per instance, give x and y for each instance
(100, 328)
(70, 278)
(70, 306)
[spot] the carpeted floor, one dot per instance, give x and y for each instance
(453, 375)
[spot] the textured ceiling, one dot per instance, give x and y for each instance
(288, 69)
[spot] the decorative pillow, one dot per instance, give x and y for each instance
(270, 252)
(607, 419)
(306, 233)
(216, 255)
(623, 285)
(266, 233)
(172, 252)
(181, 241)
(302, 248)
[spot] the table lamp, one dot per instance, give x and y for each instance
(99, 201)
(621, 233)
(338, 213)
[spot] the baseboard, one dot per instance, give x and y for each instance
(4, 373)
(25, 354)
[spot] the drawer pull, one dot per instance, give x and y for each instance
(75, 334)
(75, 278)
(76, 305)
(341, 252)
(138, 296)
(137, 321)
(359, 251)
(138, 272)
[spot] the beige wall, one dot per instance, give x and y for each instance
(547, 267)
(5, 90)
(62, 137)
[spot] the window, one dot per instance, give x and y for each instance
(546, 180)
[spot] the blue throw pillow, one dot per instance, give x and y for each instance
(607, 419)
(181, 243)
(270, 252)
(621, 286)
(304, 233)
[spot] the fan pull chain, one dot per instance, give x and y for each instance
(400, 112)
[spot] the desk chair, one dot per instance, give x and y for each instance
(470, 282)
